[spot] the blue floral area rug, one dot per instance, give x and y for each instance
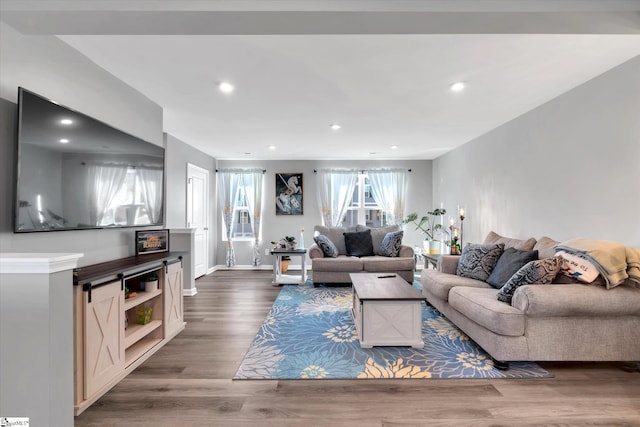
(309, 334)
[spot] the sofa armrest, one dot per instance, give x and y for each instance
(448, 264)
(315, 251)
(406, 252)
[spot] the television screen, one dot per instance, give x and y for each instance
(75, 172)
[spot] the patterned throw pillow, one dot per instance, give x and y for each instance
(359, 244)
(541, 272)
(391, 243)
(478, 261)
(327, 246)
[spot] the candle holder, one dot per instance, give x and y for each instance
(461, 216)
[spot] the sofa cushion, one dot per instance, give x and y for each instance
(341, 263)
(578, 300)
(509, 263)
(478, 261)
(481, 306)
(439, 283)
(327, 246)
(335, 235)
(546, 247)
(379, 263)
(378, 235)
(391, 243)
(358, 243)
(523, 245)
(540, 272)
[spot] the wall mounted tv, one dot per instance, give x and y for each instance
(74, 172)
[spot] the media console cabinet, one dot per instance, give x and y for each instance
(109, 340)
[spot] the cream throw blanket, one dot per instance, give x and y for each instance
(615, 262)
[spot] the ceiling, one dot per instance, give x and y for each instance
(381, 69)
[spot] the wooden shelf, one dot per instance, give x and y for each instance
(135, 332)
(140, 298)
(139, 348)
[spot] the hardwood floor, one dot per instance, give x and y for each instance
(188, 383)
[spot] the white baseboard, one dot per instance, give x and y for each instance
(251, 267)
(189, 292)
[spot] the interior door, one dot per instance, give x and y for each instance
(197, 215)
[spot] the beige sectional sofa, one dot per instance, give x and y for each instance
(553, 322)
(326, 269)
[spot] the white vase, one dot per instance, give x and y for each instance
(434, 247)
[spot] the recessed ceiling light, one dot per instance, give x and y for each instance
(335, 126)
(457, 87)
(226, 87)
(64, 141)
(66, 121)
(394, 147)
(272, 147)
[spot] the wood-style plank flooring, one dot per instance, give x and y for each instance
(189, 383)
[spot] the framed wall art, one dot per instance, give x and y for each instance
(289, 194)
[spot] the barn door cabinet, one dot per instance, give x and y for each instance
(114, 334)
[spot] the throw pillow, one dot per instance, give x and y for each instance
(478, 261)
(327, 246)
(541, 272)
(335, 235)
(509, 263)
(377, 234)
(391, 243)
(359, 243)
(523, 245)
(577, 267)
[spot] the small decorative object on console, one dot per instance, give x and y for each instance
(152, 241)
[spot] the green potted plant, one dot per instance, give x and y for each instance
(428, 225)
(149, 282)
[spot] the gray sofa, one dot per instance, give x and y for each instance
(336, 269)
(556, 322)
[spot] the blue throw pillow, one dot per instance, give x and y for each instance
(391, 243)
(326, 245)
(508, 264)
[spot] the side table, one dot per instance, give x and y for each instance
(279, 278)
(432, 259)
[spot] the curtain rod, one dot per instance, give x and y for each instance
(361, 170)
(263, 170)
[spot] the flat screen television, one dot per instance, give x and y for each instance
(74, 172)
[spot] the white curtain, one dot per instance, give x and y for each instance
(335, 189)
(252, 180)
(151, 183)
(228, 196)
(389, 188)
(105, 182)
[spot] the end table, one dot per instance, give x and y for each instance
(279, 278)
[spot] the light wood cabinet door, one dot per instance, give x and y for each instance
(173, 314)
(103, 336)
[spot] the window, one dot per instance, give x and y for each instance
(241, 228)
(363, 208)
(127, 205)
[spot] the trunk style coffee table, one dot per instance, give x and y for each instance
(386, 310)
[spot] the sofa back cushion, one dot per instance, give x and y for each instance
(509, 263)
(523, 245)
(335, 235)
(359, 243)
(478, 261)
(546, 247)
(378, 235)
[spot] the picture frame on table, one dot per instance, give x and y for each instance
(152, 241)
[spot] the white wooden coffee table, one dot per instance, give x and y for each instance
(386, 310)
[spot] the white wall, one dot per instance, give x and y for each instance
(47, 66)
(569, 168)
(276, 226)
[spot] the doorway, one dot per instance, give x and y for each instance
(198, 215)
